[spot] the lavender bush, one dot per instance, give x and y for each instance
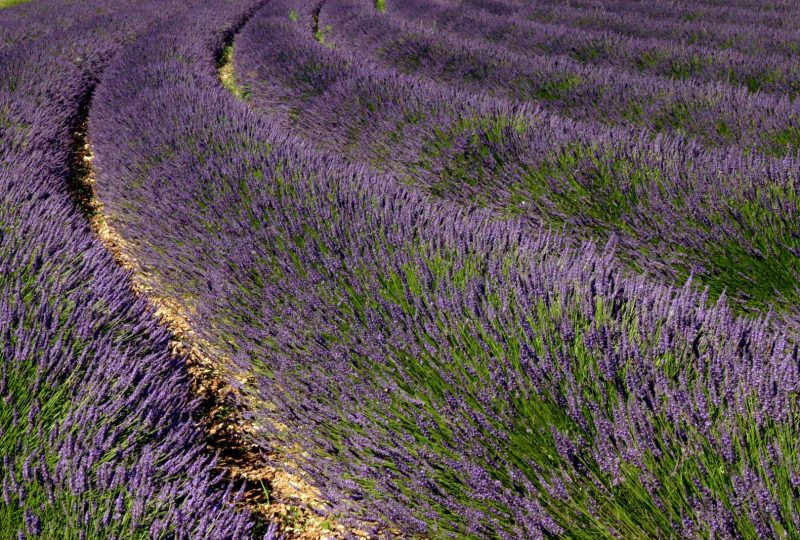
(98, 431)
(445, 371)
(649, 196)
(716, 114)
(773, 72)
(693, 26)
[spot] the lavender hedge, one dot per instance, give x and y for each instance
(716, 114)
(98, 431)
(650, 196)
(776, 73)
(445, 372)
(756, 39)
(742, 14)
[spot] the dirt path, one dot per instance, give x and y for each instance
(270, 492)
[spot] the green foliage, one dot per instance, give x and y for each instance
(601, 193)
(10, 3)
(227, 74)
(760, 267)
(37, 404)
(652, 58)
(473, 163)
(555, 88)
(688, 68)
(677, 116)
(784, 142)
(589, 52)
(321, 34)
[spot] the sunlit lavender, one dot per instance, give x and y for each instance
(474, 269)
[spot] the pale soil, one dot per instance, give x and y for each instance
(271, 492)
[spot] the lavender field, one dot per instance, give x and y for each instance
(420, 269)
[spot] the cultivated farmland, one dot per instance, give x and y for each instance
(399, 269)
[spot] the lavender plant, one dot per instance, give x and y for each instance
(752, 14)
(99, 435)
(480, 151)
(757, 72)
(714, 113)
(445, 372)
(754, 39)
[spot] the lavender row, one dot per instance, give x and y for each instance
(715, 114)
(689, 16)
(747, 14)
(652, 196)
(442, 371)
(740, 12)
(750, 40)
(765, 73)
(98, 432)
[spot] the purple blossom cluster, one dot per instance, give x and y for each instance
(715, 215)
(754, 28)
(771, 72)
(716, 113)
(447, 369)
(99, 434)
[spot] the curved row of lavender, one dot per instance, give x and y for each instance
(775, 72)
(708, 30)
(685, 12)
(98, 432)
(444, 372)
(736, 13)
(728, 219)
(769, 14)
(715, 113)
